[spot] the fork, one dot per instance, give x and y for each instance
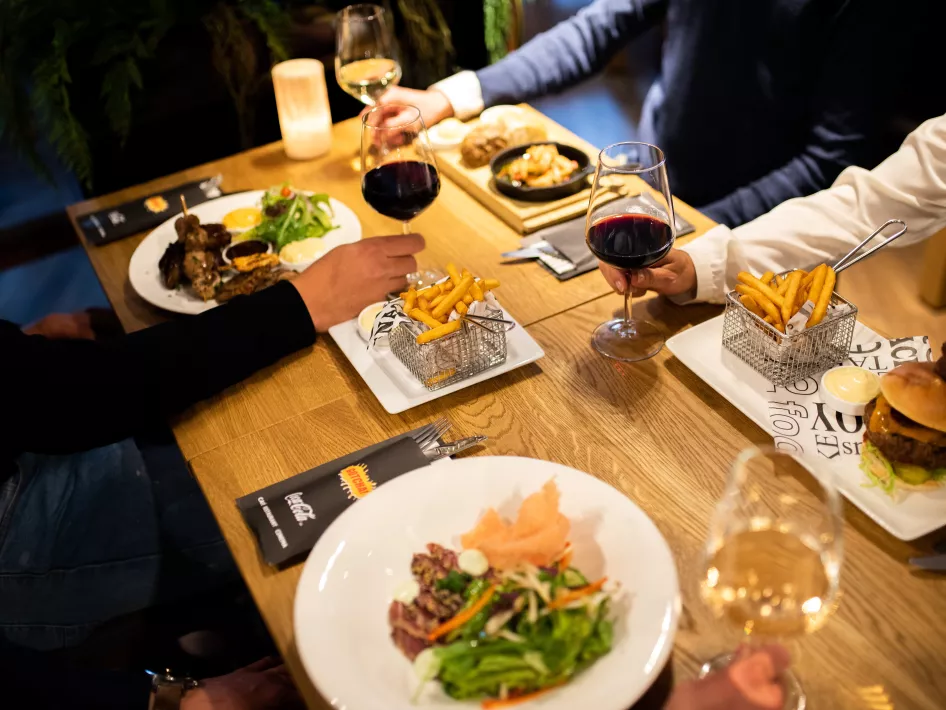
(428, 435)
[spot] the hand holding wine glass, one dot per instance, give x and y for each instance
(626, 234)
(366, 63)
(773, 554)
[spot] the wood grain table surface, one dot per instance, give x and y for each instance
(653, 430)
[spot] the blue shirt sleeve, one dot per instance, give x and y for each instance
(571, 51)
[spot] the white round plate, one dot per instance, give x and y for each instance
(145, 277)
(341, 607)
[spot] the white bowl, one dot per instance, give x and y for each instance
(342, 599)
(840, 405)
(368, 313)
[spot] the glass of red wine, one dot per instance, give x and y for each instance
(627, 234)
(398, 168)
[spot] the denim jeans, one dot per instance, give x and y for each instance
(89, 537)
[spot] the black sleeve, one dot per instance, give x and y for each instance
(70, 395)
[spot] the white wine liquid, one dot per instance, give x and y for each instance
(769, 583)
(367, 79)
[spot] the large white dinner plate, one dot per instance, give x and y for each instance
(397, 389)
(145, 277)
(700, 349)
(342, 600)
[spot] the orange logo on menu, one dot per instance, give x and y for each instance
(356, 481)
(156, 204)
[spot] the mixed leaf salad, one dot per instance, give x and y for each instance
(291, 216)
(503, 636)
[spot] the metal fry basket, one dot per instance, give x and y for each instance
(441, 362)
(783, 359)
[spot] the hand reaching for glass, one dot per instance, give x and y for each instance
(434, 105)
(673, 275)
(751, 683)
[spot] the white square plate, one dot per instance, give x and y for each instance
(700, 349)
(397, 389)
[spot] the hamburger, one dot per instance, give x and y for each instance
(905, 437)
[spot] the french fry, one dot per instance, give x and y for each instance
(817, 284)
(769, 320)
(809, 279)
(763, 301)
(489, 284)
(476, 291)
(468, 299)
(783, 286)
(461, 308)
(425, 318)
(444, 318)
(767, 291)
(439, 332)
(767, 277)
(453, 298)
(431, 292)
(447, 286)
(465, 272)
(453, 273)
(749, 302)
(423, 304)
(791, 292)
(824, 298)
(410, 300)
(437, 301)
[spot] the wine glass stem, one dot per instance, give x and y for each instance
(627, 301)
(406, 226)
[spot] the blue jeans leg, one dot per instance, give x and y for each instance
(89, 537)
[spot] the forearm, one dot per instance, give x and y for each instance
(909, 185)
(571, 51)
(75, 395)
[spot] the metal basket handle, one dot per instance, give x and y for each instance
(846, 260)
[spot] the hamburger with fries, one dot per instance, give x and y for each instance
(905, 437)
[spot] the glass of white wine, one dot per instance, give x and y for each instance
(366, 63)
(773, 554)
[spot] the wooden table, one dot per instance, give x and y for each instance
(653, 430)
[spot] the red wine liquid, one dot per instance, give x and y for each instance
(630, 241)
(401, 190)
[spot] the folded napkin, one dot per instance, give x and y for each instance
(289, 517)
(568, 239)
(138, 215)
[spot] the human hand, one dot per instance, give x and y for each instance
(751, 683)
(264, 685)
(671, 276)
(63, 326)
(434, 105)
(352, 276)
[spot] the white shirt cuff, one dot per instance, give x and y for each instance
(709, 259)
(464, 94)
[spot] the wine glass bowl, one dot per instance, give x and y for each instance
(399, 171)
(773, 553)
(627, 234)
(366, 63)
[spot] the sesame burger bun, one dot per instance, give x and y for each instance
(917, 391)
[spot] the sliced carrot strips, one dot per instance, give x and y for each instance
(566, 561)
(464, 616)
(570, 596)
(494, 703)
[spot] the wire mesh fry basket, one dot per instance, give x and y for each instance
(441, 362)
(783, 359)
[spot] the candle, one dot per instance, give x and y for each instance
(305, 118)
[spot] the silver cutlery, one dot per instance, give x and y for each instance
(934, 563)
(533, 251)
(455, 447)
(428, 435)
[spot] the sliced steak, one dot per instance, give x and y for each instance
(410, 646)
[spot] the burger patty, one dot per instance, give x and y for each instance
(903, 449)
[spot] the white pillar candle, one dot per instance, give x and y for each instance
(305, 118)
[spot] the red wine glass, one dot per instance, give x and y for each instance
(399, 177)
(628, 233)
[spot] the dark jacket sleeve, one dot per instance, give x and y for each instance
(571, 51)
(70, 395)
(854, 111)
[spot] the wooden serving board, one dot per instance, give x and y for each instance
(524, 217)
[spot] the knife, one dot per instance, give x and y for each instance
(936, 563)
(456, 447)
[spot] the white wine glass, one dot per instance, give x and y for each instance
(773, 555)
(366, 63)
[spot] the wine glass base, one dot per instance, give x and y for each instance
(795, 698)
(628, 341)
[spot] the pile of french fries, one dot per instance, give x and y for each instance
(777, 299)
(434, 305)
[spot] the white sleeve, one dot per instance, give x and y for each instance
(464, 94)
(909, 185)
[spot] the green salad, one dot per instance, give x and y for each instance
(510, 636)
(291, 216)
